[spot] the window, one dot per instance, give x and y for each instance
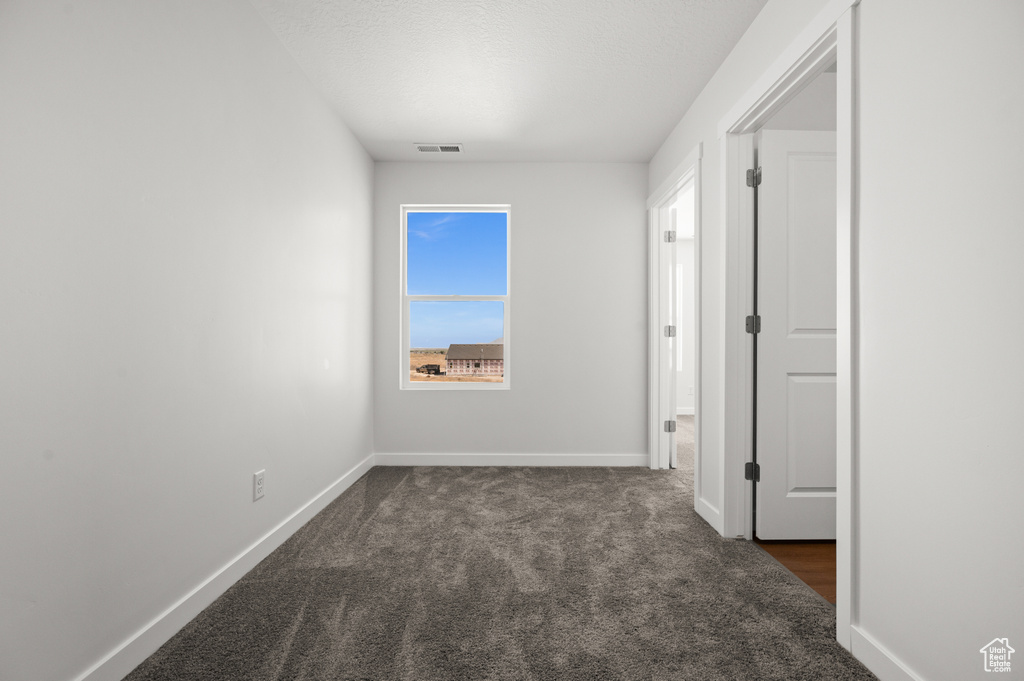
(455, 297)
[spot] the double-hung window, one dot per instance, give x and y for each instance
(455, 297)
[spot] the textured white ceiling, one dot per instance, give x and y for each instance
(530, 80)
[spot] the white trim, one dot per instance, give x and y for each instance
(119, 662)
(807, 56)
(677, 179)
(847, 331)
(587, 460)
(707, 511)
(685, 411)
(712, 514)
(737, 302)
(406, 300)
(831, 35)
(878, 659)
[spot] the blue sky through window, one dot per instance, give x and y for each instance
(457, 254)
(438, 325)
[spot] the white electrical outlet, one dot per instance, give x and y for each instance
(257, 484)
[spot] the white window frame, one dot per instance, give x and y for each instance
(407, 300)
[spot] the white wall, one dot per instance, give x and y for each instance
(938, 508)
(579, 292)
(942, 372)
(813, 108)
(185, 296)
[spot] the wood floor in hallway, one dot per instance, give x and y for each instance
(814, 562)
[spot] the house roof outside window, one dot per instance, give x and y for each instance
(476, 351)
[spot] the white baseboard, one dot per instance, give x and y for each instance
(119, 662)
(709, 513)
(881, 662)
(685, 411)
(600, 460)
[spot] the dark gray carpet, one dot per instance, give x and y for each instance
(511, 573)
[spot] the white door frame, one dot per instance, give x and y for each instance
(830, 37)
(658, 413)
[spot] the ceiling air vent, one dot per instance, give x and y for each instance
(442, 148)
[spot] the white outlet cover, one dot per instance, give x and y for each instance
(257, 484)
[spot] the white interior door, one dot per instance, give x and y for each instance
(796, 348)
(686, 319)
(685, 327)
(664, 348)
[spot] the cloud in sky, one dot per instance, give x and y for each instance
(432, 230)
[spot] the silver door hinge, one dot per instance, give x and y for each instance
(754, 323)
(670, 331)
(754, 177)
(670, 236)
(752, 471)
(670, 426)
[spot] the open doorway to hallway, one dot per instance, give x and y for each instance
(794, 511)
(685, 322)
(674, 314)
(829, 40)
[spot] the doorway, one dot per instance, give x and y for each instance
(685, 301)
(829, 39)
(674, 314)
(793, 491)
(684, 321)
(794, 273)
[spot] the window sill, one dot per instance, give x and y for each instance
(442, 385)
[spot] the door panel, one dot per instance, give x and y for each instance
(796, 364)
(810, 431)
(810, 201)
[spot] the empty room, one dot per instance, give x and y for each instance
(437, 339)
